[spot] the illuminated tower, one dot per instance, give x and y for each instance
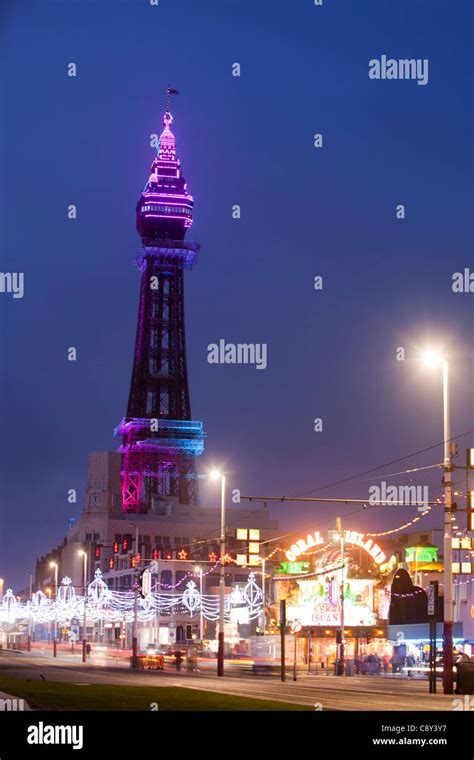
(159, 439)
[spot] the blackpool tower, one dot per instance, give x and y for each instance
(159, 439)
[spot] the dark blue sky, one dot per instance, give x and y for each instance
(305, 212)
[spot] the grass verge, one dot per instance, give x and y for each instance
(55, 695)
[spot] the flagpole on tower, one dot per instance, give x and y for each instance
(170, 91)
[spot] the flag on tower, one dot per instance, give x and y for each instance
(171, 91)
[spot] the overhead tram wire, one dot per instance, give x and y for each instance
(408, 472)
(386, 464)
(202, 539)
(365, 508)
(327, 500)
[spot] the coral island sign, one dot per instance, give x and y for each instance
(350, 537)
(303, 545)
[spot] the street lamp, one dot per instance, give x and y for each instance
(29, 610)
(83, 553)
(198, 571)
(56, 570)
(338, 537)
(216, 475)
(135, 606)
(434, 359)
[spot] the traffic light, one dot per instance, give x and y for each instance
(124, 545)
(156, 554)
(111, 563)
(116, 547)
(134, 561)
(138, 558)
(97, 551)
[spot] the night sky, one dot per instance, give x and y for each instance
(244, 140)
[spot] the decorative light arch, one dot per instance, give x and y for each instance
(108, 605)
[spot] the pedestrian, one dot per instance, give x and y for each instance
(178, 659)
(88, 650)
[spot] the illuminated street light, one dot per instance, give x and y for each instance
(56, 570)
(198, 571)
(217, 475)
(338, 537)
(83, 553)
(433, 358)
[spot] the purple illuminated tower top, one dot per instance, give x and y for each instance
(159, 438)
(165, 208)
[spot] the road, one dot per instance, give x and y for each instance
(340, 693)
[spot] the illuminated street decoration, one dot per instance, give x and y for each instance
(110, 606)
(10, 606)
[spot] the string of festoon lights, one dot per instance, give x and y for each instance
(102, 603)
(463, 583)
(401, 527)
(187, 575)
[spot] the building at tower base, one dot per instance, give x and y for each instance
(173, 541)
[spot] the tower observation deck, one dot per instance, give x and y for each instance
(159, 439)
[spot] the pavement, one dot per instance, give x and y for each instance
(372, 693)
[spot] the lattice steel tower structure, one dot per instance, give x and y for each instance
(159, 439)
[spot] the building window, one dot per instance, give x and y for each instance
(186, 541)
(88, 536)
(166, 540)
(95, 499)
(177, 540)
(166, 577)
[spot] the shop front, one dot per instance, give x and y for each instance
(326, 588)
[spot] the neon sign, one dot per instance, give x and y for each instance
(350, 537)
(358, 539)
(302, 545)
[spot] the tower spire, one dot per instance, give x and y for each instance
(167, 143)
